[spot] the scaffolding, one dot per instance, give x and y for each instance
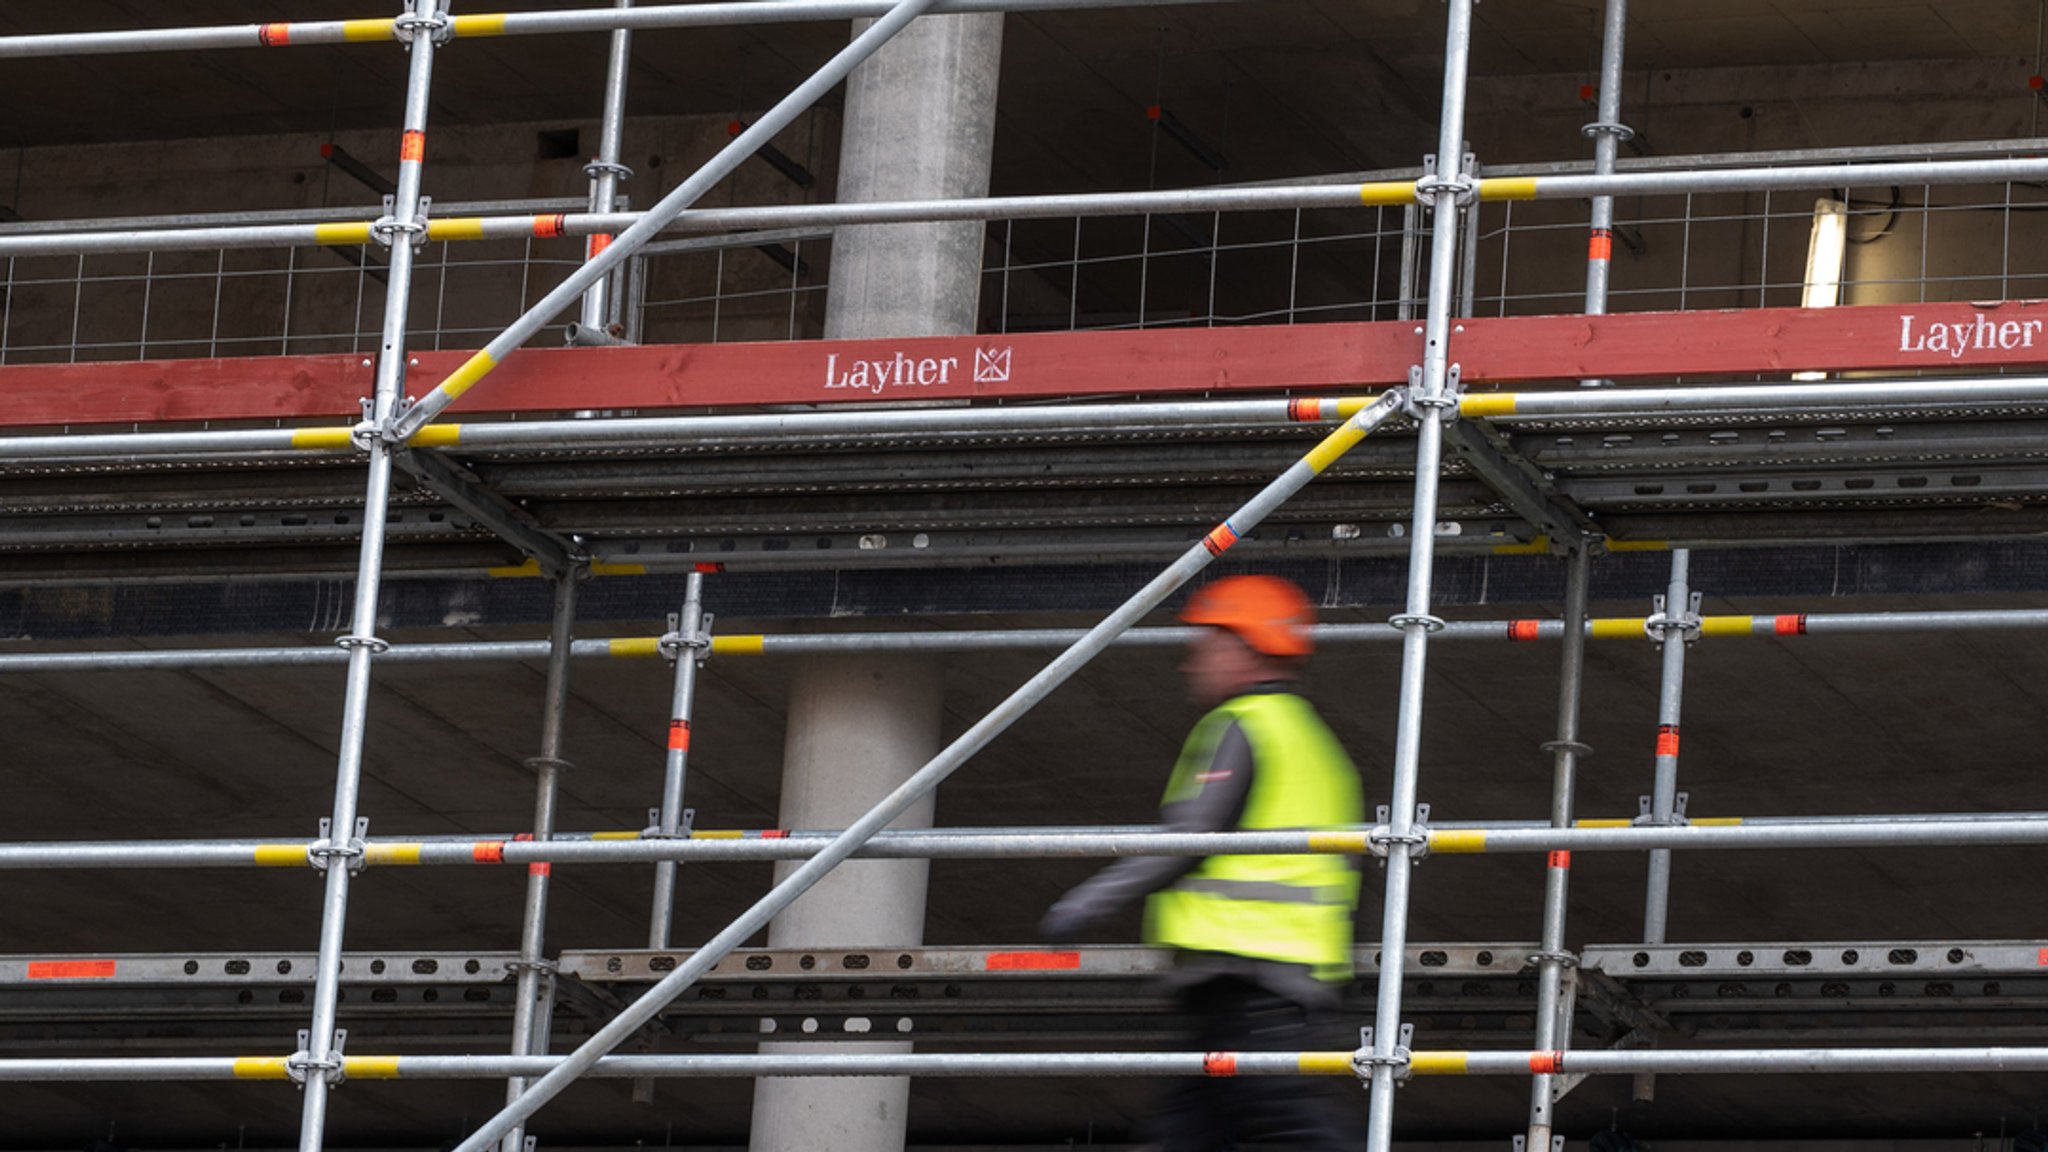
(1458, 430)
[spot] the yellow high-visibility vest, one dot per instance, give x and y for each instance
(1295, 909)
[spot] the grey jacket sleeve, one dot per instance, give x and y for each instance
(1216, 807)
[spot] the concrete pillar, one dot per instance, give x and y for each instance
(857, 727)
(920, 124)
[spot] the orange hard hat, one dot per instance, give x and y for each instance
(1268, 613)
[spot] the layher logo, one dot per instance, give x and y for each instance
(1960, 338)
(898, 371)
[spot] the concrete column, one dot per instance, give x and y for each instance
(857, 727)
(920, 124)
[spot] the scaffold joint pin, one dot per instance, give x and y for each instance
(409, 25)
(1381, 840)
(1366, 1063)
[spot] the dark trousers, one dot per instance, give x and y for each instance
(1218, 1114)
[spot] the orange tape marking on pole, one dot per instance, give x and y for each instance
(775, 834)
(1219, 1064)
(1522, 630)
(679, 735)
(1031, 961)
(1305, 411)
(274, 35)
(489, 852)
(70, 969)
(1220, 538)
(1560, 859)
(1601, 246)
(547, 226)
(539, 868)
(598, 243)
(1790, 625)
(1544, 1063)
(1667, 739)
(413, 146)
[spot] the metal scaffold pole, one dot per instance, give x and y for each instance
(606, 173)
(1607, 132)
(689, 644)
(1674, 625)
(1553, 1017)
(319, 1062)
(535, 980)
(1431, 403)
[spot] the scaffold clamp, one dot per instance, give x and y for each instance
(408, 25)
(673, 641)
(1365, 1063)
(324, 851)
(1462, 186)
(684, 827)
(1659, 625)
(387, 228)
(1381, 840)
(301, 1066)
(1644, 819)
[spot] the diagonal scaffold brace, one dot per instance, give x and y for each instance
(1196, 558)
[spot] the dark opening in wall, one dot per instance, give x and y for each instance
(559, 144)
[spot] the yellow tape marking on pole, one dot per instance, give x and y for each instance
(456, 227)
(1716, 821)
(281, 856)
(634, 647)
(1540, 546)
(370, 1067)
(322, 439)
(1726, 625)
(1457, 840)
(1489, 404)
(1324, 1064)
(392, 853)
(1349, 406)
(718, 834)
(1638, 545)
(1348, 843)
(1618, 628)
(1600, 823)
(616, 569)
(382, 29)
(437, 436)
(1387, 193)
(464, 378)
(510, 571)
(739, 645)
(615, 835)
(1437, 1063)
(261, 1068)
(482, 24)
(1508, 188)
(1334, 445)
(341, 234)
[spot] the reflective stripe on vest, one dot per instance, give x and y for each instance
(1294, 909)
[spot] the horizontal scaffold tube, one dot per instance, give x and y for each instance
(1022, 639)
(386, 29)
(1734, 833)
(1255, 198)
(704, 846)
(959, 1065)
(1515, 406)
(924, 1064)
(633, 848)
(704, 430)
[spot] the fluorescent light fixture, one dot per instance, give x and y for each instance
(1826, 246)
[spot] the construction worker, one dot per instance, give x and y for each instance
(1261, 943)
